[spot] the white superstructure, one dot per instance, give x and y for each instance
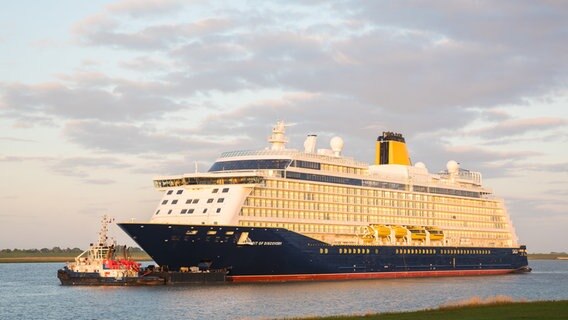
(336, 199)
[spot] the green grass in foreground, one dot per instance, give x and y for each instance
(549, 310)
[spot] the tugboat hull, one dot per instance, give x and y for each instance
(156, 278)
(72, 278)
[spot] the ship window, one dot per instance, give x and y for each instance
(157, 211)
(210, 200)
(190, 210)
(165, 202)
(211, 232)
(170, 192)
(187, 201)
(218, 210)
(220, 200)
(174, 201)
(179, 192)
(191, 232)
(250, 165)
(215, 190)
(170, 211)
(230, 233)
(195, 200)
(183, 211)
(340, 251)
(205, 210)
(376, 251)
(306, 164)
(225, 190)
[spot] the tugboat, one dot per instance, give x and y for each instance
(102, 264)
(107, 264)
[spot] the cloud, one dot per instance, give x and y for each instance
(515, 127)
(12, 139)
(137, 139)
(81, 166)
(401, 57)
(77, 167)
(99, 181)
(145, 63)
(144, 8)
(87, 96)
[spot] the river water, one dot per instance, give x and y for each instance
(32, 291)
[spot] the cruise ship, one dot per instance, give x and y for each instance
(280, 214)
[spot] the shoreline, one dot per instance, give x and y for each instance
(30, 259)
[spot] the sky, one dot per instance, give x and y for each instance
(97, 98)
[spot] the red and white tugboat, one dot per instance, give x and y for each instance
(106, 264)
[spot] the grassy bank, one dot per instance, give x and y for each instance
(549, 310)
(548, 256)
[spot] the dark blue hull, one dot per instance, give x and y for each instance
(274, 254)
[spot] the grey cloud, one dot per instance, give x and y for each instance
(533, 207)
(146, 63)
(136, 139)
(10, 158)
(12, 139)
(127, 101)
(153, 38)
(404, 58)
(80, 166)
(145, 8)
(560, 167)
(99, 181)
(515, 127)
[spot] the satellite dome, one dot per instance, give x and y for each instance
(336, 144)
(453, 166)
(420, 165)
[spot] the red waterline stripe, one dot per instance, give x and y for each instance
(366, 275)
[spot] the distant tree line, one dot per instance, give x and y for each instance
(53, 252)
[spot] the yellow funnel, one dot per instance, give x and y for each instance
(391, 149)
